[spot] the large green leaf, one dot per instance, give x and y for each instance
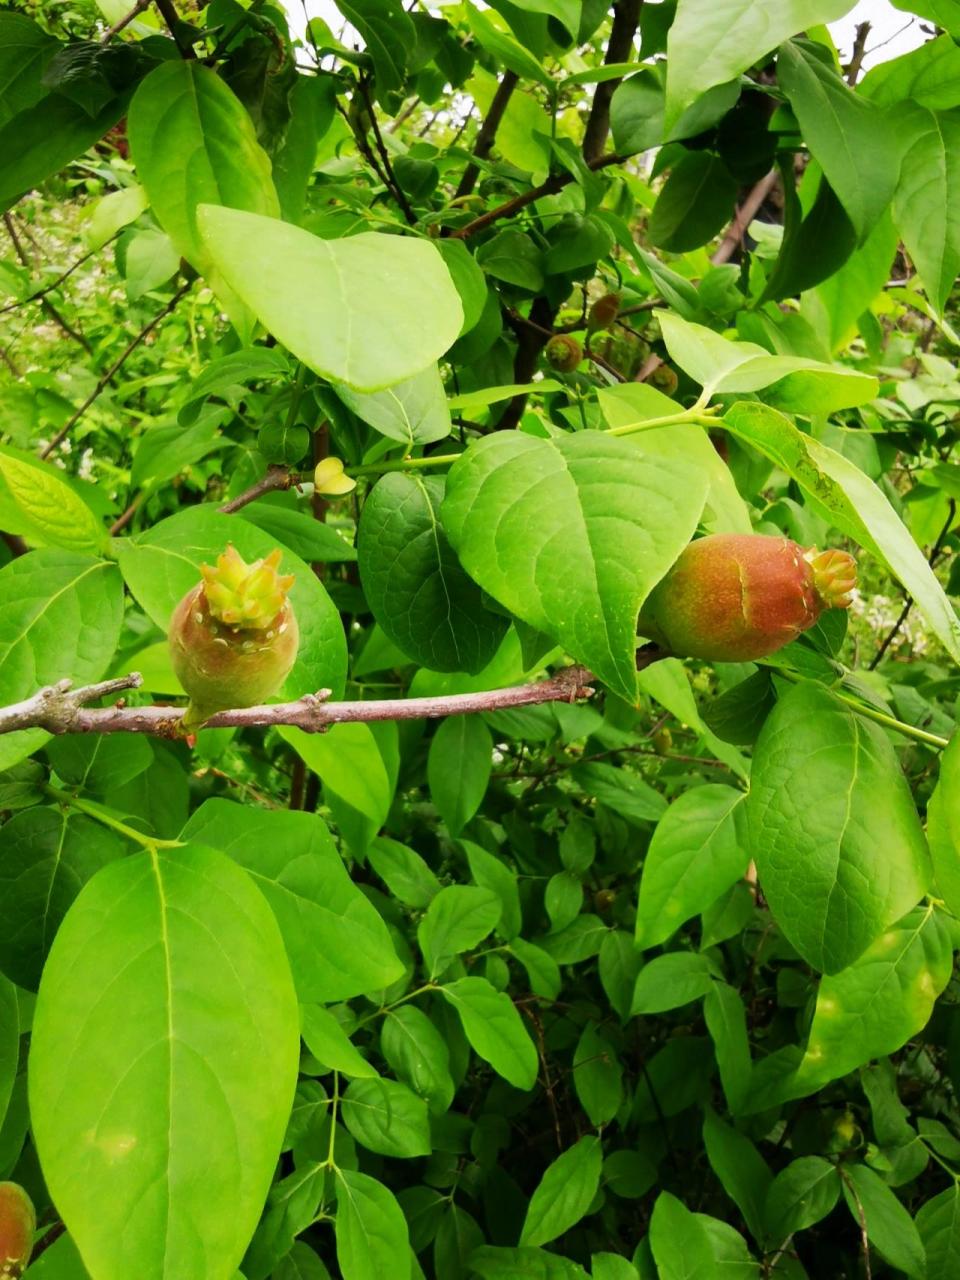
(418, 1053)
(636, 111)
(414, 583)
(35, 501)
(680, 1245)
(792, 383)
(367, 311)
(161, 565)
(46, 857)
(697, 852)
(838, 843)
(194, 143)
(389, 36)
(835, 305)
(846, 132)
(337, 943)
(564, 1193)
(372, 1239)
(712, 41)
(798, 1197)
(9, 1042)
(928, 76)
(852, 503)
(943, 827)
(571, 534)
(44, 138)
(61, 617)
(493, 1027)
(166, 1004)
(883, 999)
(413, 411)
(925, 207)
(695, 203)
(25, 49)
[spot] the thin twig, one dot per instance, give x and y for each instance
(274, 479)
(45, 303)
(117, 364)
(743, 217)
(49, 288)
(127, 18)
(932, 559)
(60, 710)
(488, 132)
(172, 19)
(554, 183)
(861, 1220)
(859, 49)
(393, 185)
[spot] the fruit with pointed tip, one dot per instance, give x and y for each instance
(733, 597)
(234, 636)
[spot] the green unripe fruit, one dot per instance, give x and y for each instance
(18, 1222)
(662, 742)
(234, 636)
(283, 445)
(733, 597)
(563, 353)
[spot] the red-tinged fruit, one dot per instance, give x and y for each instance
(234, 636)
(18, 1222)
(733, 597)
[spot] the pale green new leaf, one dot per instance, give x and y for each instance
(387, 1117)
(838, 843)
(680, 1245)
(712, 41)
(173, 962)
(883, 999)
(367, 311)
(494, 1029)
(571, 534)
(848, 499)
(194, 143)
(413, 411)
(35, 501)
(564, 1193)
(697, 852)
(372, 1238)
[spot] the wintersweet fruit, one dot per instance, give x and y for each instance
(234, 636)
(733, 597)
(603, 312)
(563, 353)
(18, 1221)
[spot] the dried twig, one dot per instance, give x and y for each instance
(61, 709)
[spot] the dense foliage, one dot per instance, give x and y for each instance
(478, 315)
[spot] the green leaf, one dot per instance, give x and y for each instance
(367, 311)
(388, 34)
(404, 872)
(414, 411)
(800, 1196)
(679, 1242)
(543, 972)
(709, 44)
(636, 112)
(301, 533)
(622, 791)
(742, 1171)
(194, 144)
(848, 498)
(943, 826)
(838, 844)
(493, 1027)
(694, 204)
(881, 1001)
(372, 1239)
(47, 855)
(835, 306)
(571, 534)
(671, 981)
(173, 960)
(44, 507)
(889, 1226)
(61, 618)
(938, 1223)
(414, 583)
(491, 872)
(161, 565)
(792, 382)
(25, 50)
(923, 207)
(387, 1117)
(44, 138)
(59, 1262)
(927, 76)
(845, 132)
(97, 762)
(458, 769)
(9, 1042)
(503, 47)
(336, 940)
(597, 1076)
(564, 1193)
(418, 1054)
(112, 213)
(492, 1263)
(698, 851)
(312, 108)
(457, 920)
(726, 1020)
(329, 1043)
(619, 965)
(301, 1263)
